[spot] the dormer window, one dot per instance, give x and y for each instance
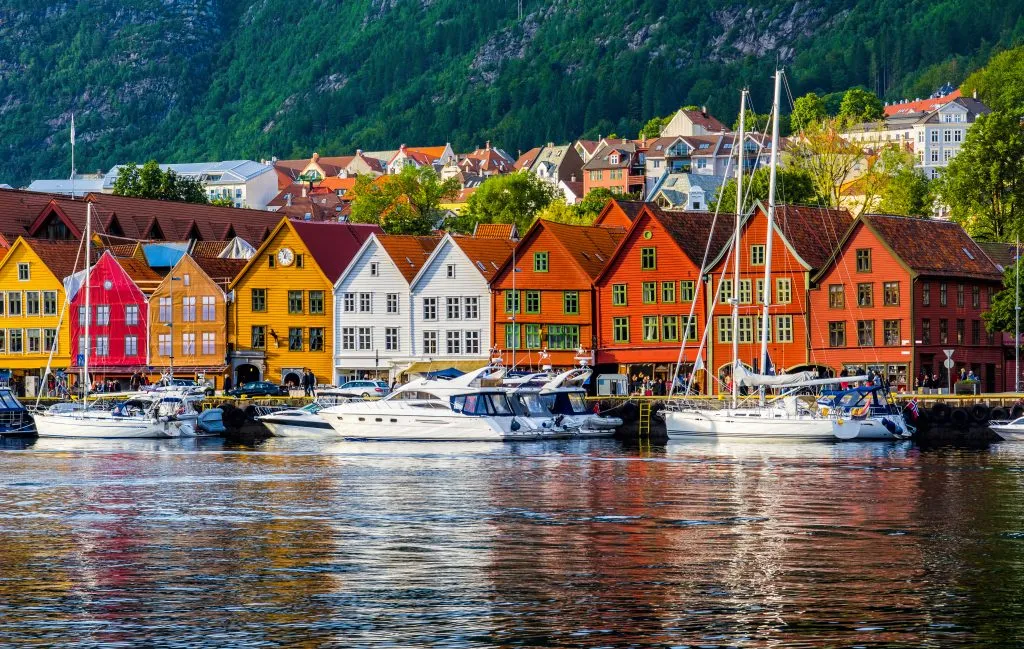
(613, 159)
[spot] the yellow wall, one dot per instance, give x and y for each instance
(40, 279)
(278, 281)
(199, 286)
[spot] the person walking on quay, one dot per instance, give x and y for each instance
(227, 381)
(308, 382)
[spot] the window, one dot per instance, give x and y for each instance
(512, 333)
(391, 339)
(49, 340)
(783, 290)
(725, 329)
(836, 296)
(295, 339)
(759, 329)
(258, 338)
(650, 292)
(960, 294)
(975, 332)
(374, 269)
(746, 329)
(32, 340)
(618, 294)
(429, 342)
(686, 291)
(865, 333)
(864, 260)
(365, 338)
(471, 342)
(450, 271)
(102, 346)
(471, 308)
(14, 342)
(943, 331)
(23, 274)
(837, 334)
(570, 302)
(316, 339)
(935, 155)
(975, 297)
(650, 328)
(725, 291)
(563, 336)
(32, 305)
(934, 133)
(49, 303)
(209, 343)
(188, 344)
(670, 328)
(188, 309)
(512, 302)
(958, 135)
(209, 308)
(533, 301)
(533, 336)
(103, 314)
(163, 344)
(3, 340)
(430, 308)
(759, 290)
(865, 295)
(745, 291)
(926, 332)
(186, 279)
(348, 338)
(620, 330)
(960, 327)
(391, 301)
(757, 255)
(784, 328)
(648, 258)
(668, 292)
(454, 307)
(891, 332)
(690, 328)
(14, 303)
(891, 293)
(942, 294)
(348, 302)
(926, 294)
(270, 261)
(365, 303)
(540, 262)
(259, 303)
(947, 135)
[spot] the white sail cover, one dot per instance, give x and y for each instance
(750, 379)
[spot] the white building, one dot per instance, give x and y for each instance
(246, 183)
(82, 185)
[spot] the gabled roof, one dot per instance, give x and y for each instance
(139, 272)
(1002, 254)
(18, 209)
(526, 160)
(590, 247)
(920, 105)
(932, 247)
(704, 120)
(657, 147)
(488, 254)
(58, 256)
(495, 230)
(408, 252)
(602, 158)
(208, 248)
(221, 271)
(630, 208)
(333, 245)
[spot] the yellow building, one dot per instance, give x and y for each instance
(282, 314)
(32, 301)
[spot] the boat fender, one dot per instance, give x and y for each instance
(1017, 412)
(980, 412)
(515, 425)
(940, 411)
(1000, 413)
(559, 419)
(960, 417)
(890, 425)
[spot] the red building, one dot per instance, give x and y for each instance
(118, 302)
(617, 165)
(900, 290)
(618, 213)
(543, 310)
(646, 292)
(803, 241)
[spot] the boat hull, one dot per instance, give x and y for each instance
(305, 426)
(694, 424)
(103, 427)
(1009, 432)
(427, 427)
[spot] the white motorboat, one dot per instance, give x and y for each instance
(304, 422)
(1011, 430)
(565, 397)
(133, 418)
(471, 407)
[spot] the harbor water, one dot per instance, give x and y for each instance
(577, 543)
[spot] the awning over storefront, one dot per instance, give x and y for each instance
(423, 367)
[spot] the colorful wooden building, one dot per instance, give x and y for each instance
(543, 296)
(802, 242)
(649, 288)
(281, 318)
(896, 293)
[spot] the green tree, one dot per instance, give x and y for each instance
(807, 110)
(984, 184)
(1000, 84)
(152, 182)
(127, 181)
(595, 200)
(905, 190)
(793, 187)
(511, 198)
(829, 159)
(1001, 312)
(859, 105)
(223, 201)
(404, 203)
(754, 122)
(652, 129)
(560, 212)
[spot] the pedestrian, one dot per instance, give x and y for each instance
(227, 381)
(309, 382)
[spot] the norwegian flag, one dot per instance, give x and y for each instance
(912, 406)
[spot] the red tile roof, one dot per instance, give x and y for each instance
(488, 254)
(814, 232)
(18, 209)
(691, 231)
(921, 105)
(494, 230)
(208, 248)
(526, 160)
(221, 271)
(932, 247)
(705, 120)
(144, 277)
(333, 245)
(591, 247)
(58, 256)
(408, 252)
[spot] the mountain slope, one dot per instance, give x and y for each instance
(189, 79)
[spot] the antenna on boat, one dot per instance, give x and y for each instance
(766, 294)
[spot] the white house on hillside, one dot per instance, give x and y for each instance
(247, 183)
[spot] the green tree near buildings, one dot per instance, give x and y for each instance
(584, 212)
(984, 184)
(807, 111)
(753, 122)
(1000, 84)
(793, 186)
(859, 105)
(827, 157)
(150, 181)
(408, 202)
(1002, 311)
(510, 198)
(904, 190)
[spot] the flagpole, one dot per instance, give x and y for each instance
(72, 156)
(1016, 316)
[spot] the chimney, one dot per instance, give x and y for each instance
(401, 147)
(704, 111)
(975, 93)
(572, 178)
(359, 152)
(488, 145)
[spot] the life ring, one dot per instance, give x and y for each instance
(960, 417)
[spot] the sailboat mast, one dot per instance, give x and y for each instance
(767, 292)
(88, 307)
(1016, 317)
(736, 251)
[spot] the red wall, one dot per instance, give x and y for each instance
(119, 293)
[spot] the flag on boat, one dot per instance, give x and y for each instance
(769, 367)
(912, 405)
(699, 363)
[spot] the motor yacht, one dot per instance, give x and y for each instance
(303, 422)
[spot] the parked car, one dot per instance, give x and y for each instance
(364, 389)
(258, 389)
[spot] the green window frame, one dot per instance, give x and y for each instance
(620, 329)
(746, 292)
(650, 292)
(783, 290)
(295, 302)
(512, 339)
(690, 328)
(648, 258)
(540, 262)
(258, 337)
(618, 295)
(725, 329)
(316, 302)
(571, 302)
(650, 328)
(784, 328)
(259, 300)
(668, 292)
(724, 291)
(757, 254)
(533, 302)
(670, 328)
(512, 304)
(533, 336)
(563, 336)
(687, 290)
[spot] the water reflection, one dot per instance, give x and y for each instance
(574, 543)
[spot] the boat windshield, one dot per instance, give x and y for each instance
(312, 408)
(533, 405)
(9, 401)
(488, 403)
(578, 403)
(566, 403)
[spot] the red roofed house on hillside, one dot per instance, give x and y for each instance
(899, 290)
(647, 290)
(543, 298)
(920, 105)
(803, 240)
(435, 156)
(617, 166)
(692, 122)
(506, 231)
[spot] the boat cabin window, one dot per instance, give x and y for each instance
(481, 404)
(533, 405)
(413, 395)
(9, 401)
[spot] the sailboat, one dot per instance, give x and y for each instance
(786, 416)
(135, 417)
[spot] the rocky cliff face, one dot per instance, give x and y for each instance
(190, 79)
